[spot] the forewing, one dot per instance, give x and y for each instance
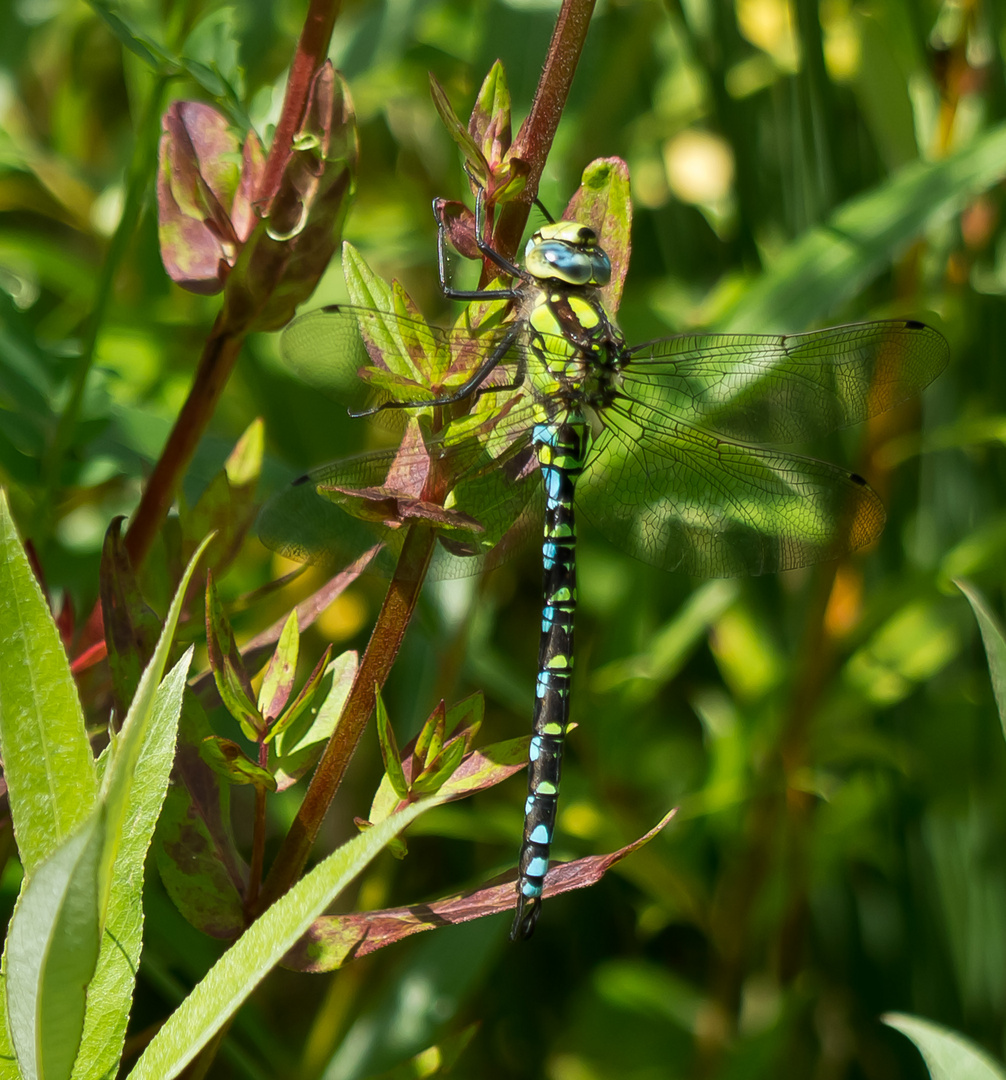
(363, 357)
(785, 388)
(681, 498)
(334, 513)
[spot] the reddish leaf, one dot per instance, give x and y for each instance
(131, 627)
(334, 939)
(304, 698)
(199, 864)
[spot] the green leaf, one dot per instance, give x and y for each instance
(303, 700)
(52, 950)
(459, 133)
(48, 764)
(430, 740)
(831, 264)
(948, 1056)
(228, 668)
(245, 964)
(110, 993)
(228, 760)
(440, 769)
(389, 750)
(995, 644)
(278, 679)
(490, 120)
(300, 745)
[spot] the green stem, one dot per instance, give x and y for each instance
(385, 641)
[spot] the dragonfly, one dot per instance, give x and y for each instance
(539, 409)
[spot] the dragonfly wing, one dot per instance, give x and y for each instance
(681, 498)
(333, 514)
(786, 388)
(363, 357)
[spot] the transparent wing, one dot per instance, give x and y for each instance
(688, 500)
(334, 513)
(785, 389)
(361, 357)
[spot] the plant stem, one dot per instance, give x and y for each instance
(215, 366)
(534, 140)
(258, 837)
(225, 340)
(385, 641)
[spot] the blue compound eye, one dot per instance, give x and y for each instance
(576, 261)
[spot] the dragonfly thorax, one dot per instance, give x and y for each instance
(567, 251)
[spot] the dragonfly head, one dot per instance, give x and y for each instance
(567, 251)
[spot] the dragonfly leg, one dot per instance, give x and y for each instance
(485, 248)
(470, 385)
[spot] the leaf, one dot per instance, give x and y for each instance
(459, 133)
(832, 263)
(389, 749)
(440, 768)
(131, 626)
(196, 855)
(948, 1056)
(51, 952)
(48, 764)
(603, 202)
(334, 939)
(299, 746)
(304, 699)
(430, 739)
(250, 958)
(229, 672)
(994, 641)
(110, 992)
(478, 770)
(489, 124)
(278, 679)
(228, 760)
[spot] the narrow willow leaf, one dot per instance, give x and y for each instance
(52, 950)
(110, 993)
(48, 764)
(278, 679)
(389, 750)
(299, 746)
(948, 1056)
(246, 963)
(119, 779)
(994, 641)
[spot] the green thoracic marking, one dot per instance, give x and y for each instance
(673, 475)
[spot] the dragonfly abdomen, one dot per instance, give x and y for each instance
(561, 449)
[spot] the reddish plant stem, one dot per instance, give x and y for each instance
(258, 837)
(215, 365)
(312, 51)
(396, 611)
(534, 140)
(225, 341)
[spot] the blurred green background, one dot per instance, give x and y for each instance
(829, 735)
